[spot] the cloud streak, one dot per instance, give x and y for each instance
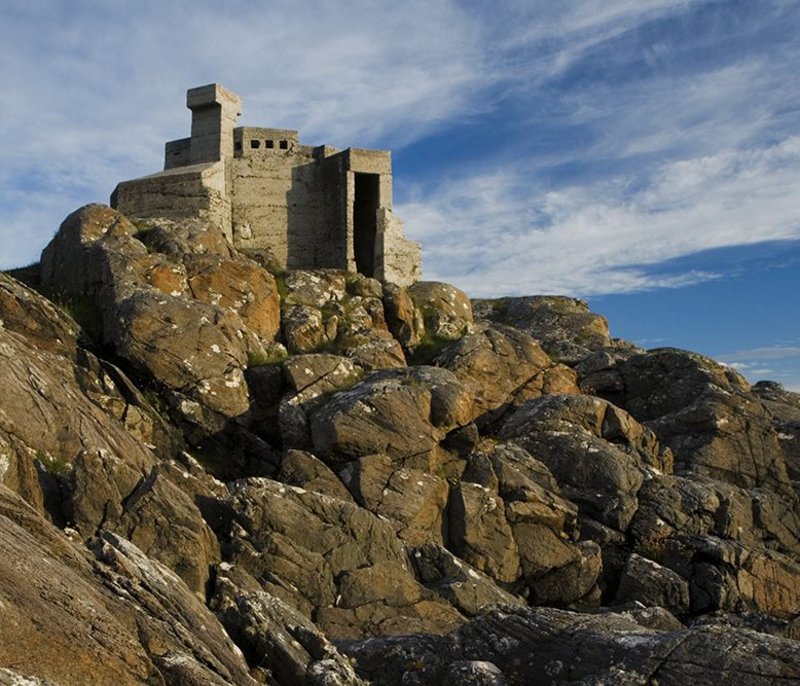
(602, 238)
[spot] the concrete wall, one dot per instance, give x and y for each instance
(194, 191)
(286, 198)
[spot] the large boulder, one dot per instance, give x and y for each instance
(275, 636)
(150, 511)
(112, 617)
(556, 566)
(44, 325)
(176, 301)
(784, 406)
(735, 548)
(426, 315)
(193, 348)
(47, 419)
(403, 413)
(461, 584)
(503, 367)
(412, 498)
(598, 453)
(653, 585)
(240, 286)
(480, 532)
(564, 327)
(310, 378)
(330, 559)
(705, 413)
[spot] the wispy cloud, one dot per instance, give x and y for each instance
(496, 234)
(775, 352)
(779, 362)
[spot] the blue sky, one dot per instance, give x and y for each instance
(642, 154)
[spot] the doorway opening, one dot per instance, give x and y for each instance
(365, 221)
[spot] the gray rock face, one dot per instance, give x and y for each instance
(502, 367)
(196, 346)
(652, 585)
(275, 634)
(403, 413)
(332, 560)
(525, 645)
(112, 617)
(598, 453)
(371, 499)
(784, 406)
(564, 327)
(426, 315)
(445, 310)
(466, 588)
(48, 418)
(705, 414)
(412, 498)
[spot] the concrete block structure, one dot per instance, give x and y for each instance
(309, 206)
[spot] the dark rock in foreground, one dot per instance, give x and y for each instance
(548, 646)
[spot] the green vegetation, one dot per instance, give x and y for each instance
(280, 282)
(428, 348)
(263, 358)
(156, 402)
(54, 465)
(84, 310)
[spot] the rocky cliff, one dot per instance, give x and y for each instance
(214, 474)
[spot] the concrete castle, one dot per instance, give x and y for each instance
(310, 207)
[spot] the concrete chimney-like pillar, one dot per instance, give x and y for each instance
(214, 114)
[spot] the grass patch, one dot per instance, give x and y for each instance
(264, 358)
(155, 401)
(54, 465)
(427, 349)
(83, 310)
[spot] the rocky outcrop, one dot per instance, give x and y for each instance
(501, 368)
(564, 327)
(404, 413)
(314, 477)
(106, 616)
(598, 453)
(427, 314)
(336, 562)
(784, 406)
(706, 415)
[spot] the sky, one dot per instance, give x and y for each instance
(643, 155)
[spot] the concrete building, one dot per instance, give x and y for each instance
(309, 206)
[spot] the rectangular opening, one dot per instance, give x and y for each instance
(284, 145)
(269, 144)
(365, 221)
(255, 143)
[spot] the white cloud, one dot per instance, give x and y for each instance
(495, 234)
(773, 352)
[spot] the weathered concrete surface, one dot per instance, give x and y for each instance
(305, 206)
